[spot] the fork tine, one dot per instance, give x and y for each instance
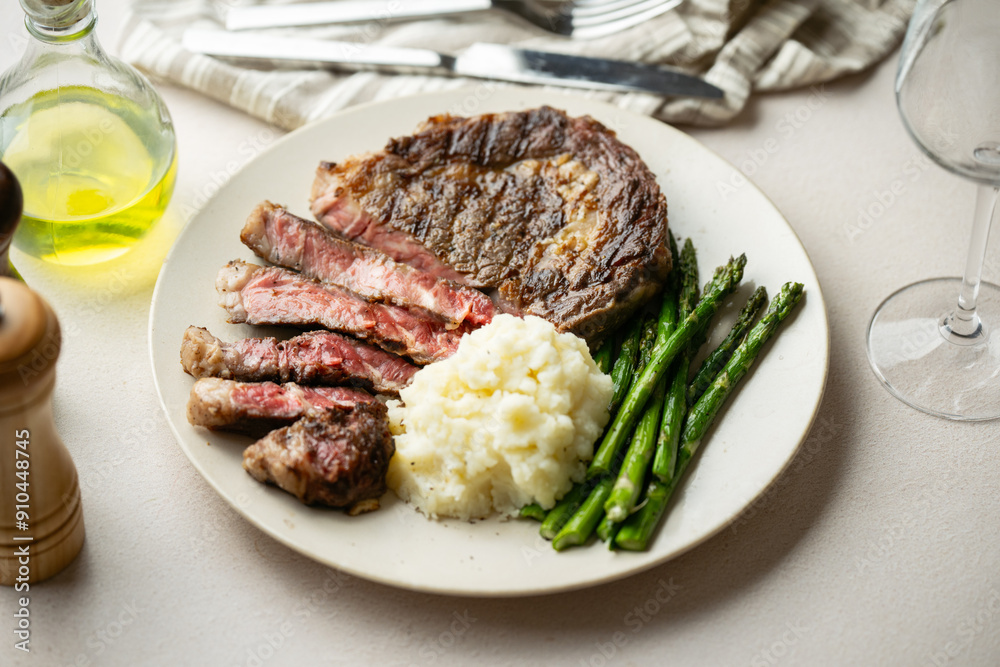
(597, 30)
(581, 8)
(598, 3)
(584, 19)
(639, 10)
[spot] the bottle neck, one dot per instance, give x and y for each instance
(76, 20)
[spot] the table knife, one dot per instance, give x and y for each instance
(481, 60)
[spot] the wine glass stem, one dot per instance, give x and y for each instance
(964, 325)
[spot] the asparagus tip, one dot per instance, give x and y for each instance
(790, 294)
(738, 265)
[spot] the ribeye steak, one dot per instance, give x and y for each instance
(315, 357)
(271, 295)
(555, 213)
(284, 239)
(337, 458)
(254, 408)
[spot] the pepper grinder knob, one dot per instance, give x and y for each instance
(11, 206)
(41, 518)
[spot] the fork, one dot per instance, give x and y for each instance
(582, 19)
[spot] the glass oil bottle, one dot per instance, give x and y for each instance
(87, 136)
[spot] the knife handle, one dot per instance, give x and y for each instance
(346, 11)
(311, 52)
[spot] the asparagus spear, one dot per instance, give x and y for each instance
(650, 325)
(717, 358)
(533, 511)
(623, 370)
(626, 490)
(636, 531)
(638, 528)
(604, 355)
(564, 509)
(607, 530)
(674, 407)
(579, 527)
(672, 293)
(630, 411)
(708, 405)
(688, 280)
(637, 467)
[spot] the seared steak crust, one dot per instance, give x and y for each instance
(558, 215)
(336, 458)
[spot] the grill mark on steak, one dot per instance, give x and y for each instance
(555, 213)
(275, 296)
(284, 239)
(256, 408)
(316, 357)
(338, 458)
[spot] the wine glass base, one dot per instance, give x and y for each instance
(912, 357)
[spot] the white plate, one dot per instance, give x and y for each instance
(762, 428)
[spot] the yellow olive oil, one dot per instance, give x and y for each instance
(97, 172)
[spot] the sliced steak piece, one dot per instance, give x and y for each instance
(338, 458)
(316, 357)
(275, 296)
(281, 238)
(256, 408)
(557, 214)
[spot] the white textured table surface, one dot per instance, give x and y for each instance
(880, 545)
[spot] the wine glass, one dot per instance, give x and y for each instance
(937, 353)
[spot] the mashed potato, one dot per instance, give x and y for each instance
(508, 420)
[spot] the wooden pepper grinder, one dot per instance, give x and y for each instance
(41, 519)
(11, 204)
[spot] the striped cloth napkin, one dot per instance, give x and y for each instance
(741, 46)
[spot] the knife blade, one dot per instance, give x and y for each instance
(480, 60)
